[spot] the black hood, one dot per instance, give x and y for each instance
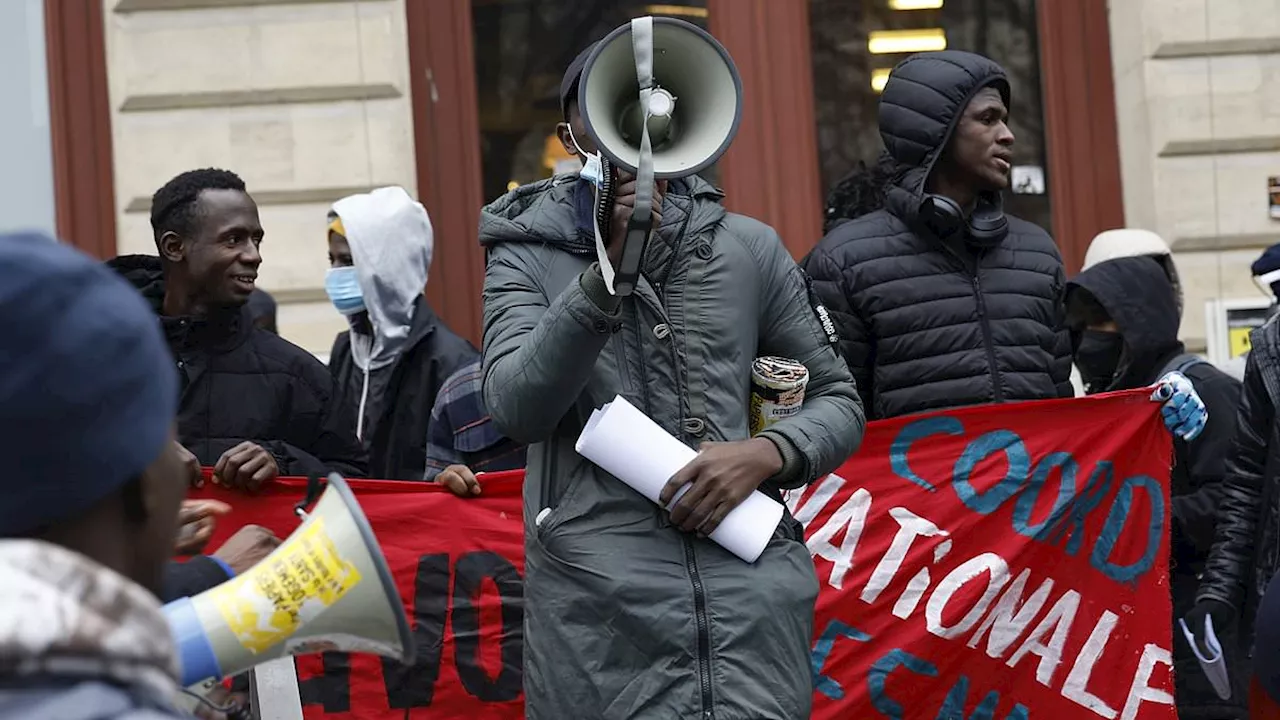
(220, 331)
(145, 273)
(920, 107)
(1137, 294)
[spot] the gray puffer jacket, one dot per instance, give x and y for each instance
(626, 616)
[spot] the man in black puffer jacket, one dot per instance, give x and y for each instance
(252, 405)
(940, 299)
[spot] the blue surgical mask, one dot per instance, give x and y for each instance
(344, 290)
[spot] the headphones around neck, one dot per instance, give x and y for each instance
(986, 226)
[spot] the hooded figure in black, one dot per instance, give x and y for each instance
(1123, 316)
(940, 299)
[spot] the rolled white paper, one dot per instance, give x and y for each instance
(636, 450)
(1214, 664)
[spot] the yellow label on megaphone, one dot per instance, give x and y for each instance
(297, 584)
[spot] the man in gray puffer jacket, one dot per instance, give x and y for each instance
(628, 615)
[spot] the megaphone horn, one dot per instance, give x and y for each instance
(325, 588)
(695, 105)
(661, 99)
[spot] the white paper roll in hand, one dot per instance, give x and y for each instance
(630, 446)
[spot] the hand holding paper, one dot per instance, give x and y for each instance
(630, 446)
(719, 479)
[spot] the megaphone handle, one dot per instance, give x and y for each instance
(641, 222)
(604, 197)
(638, 228)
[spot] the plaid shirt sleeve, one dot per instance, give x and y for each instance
(461, 389)
(461, 431)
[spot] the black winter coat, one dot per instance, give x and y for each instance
(191, 577)
(1246, 546)
(930, 319)
(1137, 295)
(398, 409)
(240, 383)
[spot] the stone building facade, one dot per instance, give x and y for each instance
(1152, 113)
(1197, 87)
(308, 102)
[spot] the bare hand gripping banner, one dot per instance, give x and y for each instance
(1006, 562)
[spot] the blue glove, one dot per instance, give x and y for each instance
(1183, 411)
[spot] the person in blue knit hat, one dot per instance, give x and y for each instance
(89, 500)
(1266, 272)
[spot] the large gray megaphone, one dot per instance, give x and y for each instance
(325, 588)
(661, 99)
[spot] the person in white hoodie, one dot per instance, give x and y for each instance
(397, 355)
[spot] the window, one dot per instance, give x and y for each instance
(522, 48)
(25, 141)
(856, 42)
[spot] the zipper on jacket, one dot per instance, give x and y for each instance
(690, 557)
(997, 390)
(547, 502)
(704, 628)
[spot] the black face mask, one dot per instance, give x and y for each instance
(1098, 356)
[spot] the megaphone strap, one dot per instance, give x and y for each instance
(315, 488)
(642, 48)
(641, 224)
(604, 209)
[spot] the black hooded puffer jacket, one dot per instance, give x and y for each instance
(927, 323)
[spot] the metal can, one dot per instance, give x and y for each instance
(777, 390)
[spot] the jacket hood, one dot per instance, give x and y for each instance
(1139, 297)
(546, 212)
(64, 615)
(391, 243)
(145, 273)
(922, 103)
(219, 331)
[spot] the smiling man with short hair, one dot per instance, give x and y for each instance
(253, 405)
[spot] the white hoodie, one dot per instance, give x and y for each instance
(391, 244)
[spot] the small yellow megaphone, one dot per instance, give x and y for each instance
(325, 588)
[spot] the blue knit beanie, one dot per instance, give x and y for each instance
(87, 388)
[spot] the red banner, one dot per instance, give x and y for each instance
(981, 564)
